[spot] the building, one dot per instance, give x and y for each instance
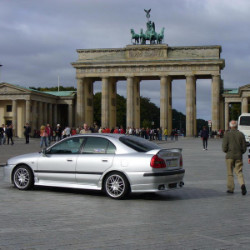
(19, 105)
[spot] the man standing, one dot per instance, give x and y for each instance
(85, 129)
(234, 145)
(27, 131)
(204, 137)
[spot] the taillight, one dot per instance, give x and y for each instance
(157, 162)
(181, 161)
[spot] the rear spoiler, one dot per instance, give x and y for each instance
(165, 150)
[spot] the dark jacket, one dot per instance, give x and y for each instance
(9, 132)
(234, 144)
(27, 130)
(204, 134)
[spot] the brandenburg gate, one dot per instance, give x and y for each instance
(135, 63)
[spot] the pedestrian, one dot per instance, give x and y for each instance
(1, 135)
(58, 132)
(85, 129)
(165, 133)
(234, 145)
(49, 133)
(27, 131)
(43, 136)
(204, 137)
(9, 133)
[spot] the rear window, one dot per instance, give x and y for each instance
(138, 144)
(245, 121)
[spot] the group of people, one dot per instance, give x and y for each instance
(6, 134)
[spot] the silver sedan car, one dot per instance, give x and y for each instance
(116, 164)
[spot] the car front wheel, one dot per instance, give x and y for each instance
(23, 178)
(116, 185)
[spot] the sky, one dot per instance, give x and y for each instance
(39, 39)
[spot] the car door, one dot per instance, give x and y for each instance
(96, 157)
(58, 164)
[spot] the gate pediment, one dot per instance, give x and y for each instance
(6, 88)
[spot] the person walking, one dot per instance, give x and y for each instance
(204, 137)
(27, 131)
(234, 145)
(43, 136)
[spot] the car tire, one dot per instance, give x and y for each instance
(116, 186)
(23, 178)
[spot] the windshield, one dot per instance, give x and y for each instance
(138, 144)
(245, 121)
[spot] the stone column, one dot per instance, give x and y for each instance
(166, 103)
(195, 110)
(40, 118)
(244, 105)
(50, 114)
(34, 115)
(112, 103)
(190, 89)
(88, 101)
(70, 114)
(45, 108)
(105, 103)
(14, 116)
(226, 115)
(130, 102)
(169, 101)
(222, 113)
(216, 102)
(55, 114)
(137, 102)
(80, 115)
(27, 111)
(163, 103)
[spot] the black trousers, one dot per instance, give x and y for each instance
(27, 138)
(204, 143)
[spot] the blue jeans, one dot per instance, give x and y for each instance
(43, 140)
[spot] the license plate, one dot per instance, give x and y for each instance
(172, 163)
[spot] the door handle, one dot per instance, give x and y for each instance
(104, 160)
(69, 160)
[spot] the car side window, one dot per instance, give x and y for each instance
(70, 146)
(95, 145)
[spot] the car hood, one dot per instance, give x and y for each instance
(23, 158)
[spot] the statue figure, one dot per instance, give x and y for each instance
(143, 37)
(160, 36)
(150, 33)
(147, 15)
(135, 36)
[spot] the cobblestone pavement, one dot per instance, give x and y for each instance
(199, 216)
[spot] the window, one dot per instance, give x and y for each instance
(138, 144)
(245, 121)
(70, 146)
(95, 145)
(9, 108)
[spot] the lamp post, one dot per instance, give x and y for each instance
(0, 71)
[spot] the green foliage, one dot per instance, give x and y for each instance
(97, 108)
(179, 120)
(234, 111)
(150, 113)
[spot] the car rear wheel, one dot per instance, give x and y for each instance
(23, 178)
(116, 185)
